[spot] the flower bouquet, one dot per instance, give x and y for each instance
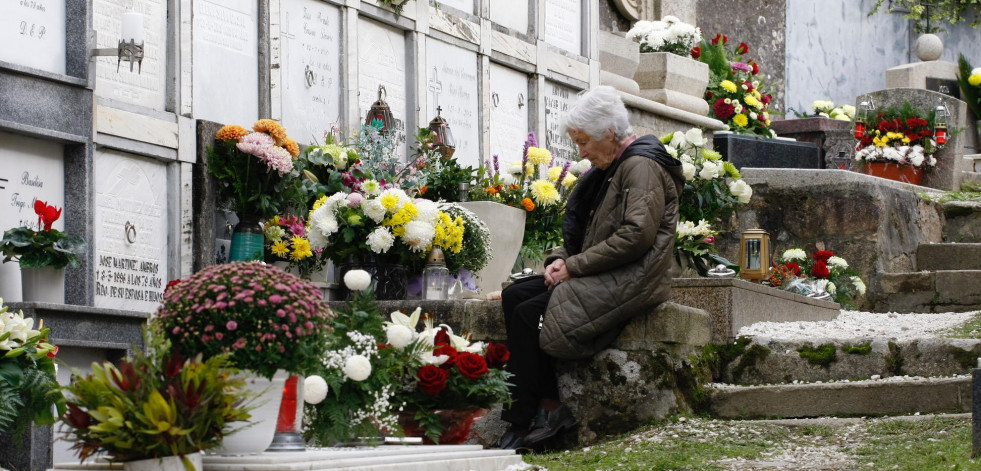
(286, 241)
(153, 406)
(736, 95)
(821, 272)
(713, 188)
(445, 178)
(901, 136)
(474, 250)
(28, 385)
(45, 246)
(694, 246)
(253, 170)
(265, 318)
(325, 168)
(667, 35)
(827, 109)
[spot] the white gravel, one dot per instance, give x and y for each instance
(853, 324)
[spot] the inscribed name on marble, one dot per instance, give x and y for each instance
(311, 72)
(146, 88)
(32, 34)
(381, 61)
(226, 67)
(563, 24)
(451, 78)
(558, 99)
(130, 231)
(508, 113)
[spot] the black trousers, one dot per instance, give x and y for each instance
(533, 373)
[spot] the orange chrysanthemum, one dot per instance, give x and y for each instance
(528, 204)
(513, 187)
(491, 190)
(292, 147)
(231, 131)
(422, 191)
(274, 129)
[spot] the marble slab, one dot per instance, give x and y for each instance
(144, 86)
(381, 61)
(225, 36)
(462, 5)
(558, 98)
(563, 24)
(512, 14)
(451, 77)
(751, 151)
(508, 113)
(33, 34)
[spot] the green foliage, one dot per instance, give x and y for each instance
(968, 359)
(971, 93)
(476, 251)
(823, 355)
(929, 17)
(931, 444)
(738, 97)
(443, 175)
(863, 349)
(36, 249)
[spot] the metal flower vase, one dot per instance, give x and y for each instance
(248, 240)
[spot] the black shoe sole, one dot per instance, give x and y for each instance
(532, 441)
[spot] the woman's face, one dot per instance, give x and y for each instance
(598, 152)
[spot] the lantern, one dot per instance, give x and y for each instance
(381, 112)
(754, 255)
(940, 125)
(435, 277)
(444, 142)
(865, 109)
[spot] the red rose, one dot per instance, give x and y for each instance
(441, 338)
(432, 379)
(823, 255)
(743, 48)
(723, 110)
(471, 365)
(696, 52)
(720, 37)
(820, 269)
(448, 351)
(497, 355)
(795, 268)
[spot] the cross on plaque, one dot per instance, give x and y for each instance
(435, 86)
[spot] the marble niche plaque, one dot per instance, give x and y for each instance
(311, 72)
(451, 77)
(508, 113)
(462, 5)
(32, 33)
(563, 24)
(558, 98)
(130, 231)
(146, 88)
(30, 170)
(226, 74)
(381, 61)
(512, 14)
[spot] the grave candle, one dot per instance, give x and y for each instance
(132, 27)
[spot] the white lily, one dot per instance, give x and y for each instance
(409, 321)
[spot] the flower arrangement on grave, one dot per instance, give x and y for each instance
(969, 80)
(474, 250)
(694, 247)
(901, 135)
(154, 405)
(379, 162)
(827, 109)
(45, 246)
(539, 185)
(266, 318)
(444, 175)
(736, 94)
(325, 168)
(29, 389)
(713, 188)
(670, 34)
(795, 271)
(254, 171)
(286, 241)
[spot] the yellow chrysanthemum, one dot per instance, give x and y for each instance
(231, 131)
(529, 169)
(974, 79)
(320, 202)
(301, 249)
(272, 222)
(406, 213)
(539, 156)
(544, 192)
(389, 201)
(741, 120)
(449, 233)
(274, 129)
(280, 249)
(731, 170)
(752, 101)
(711, 154)
(729, 86)
(553, 173)
(569, 180)
(880, 141)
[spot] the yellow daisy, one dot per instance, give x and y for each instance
(280, 249)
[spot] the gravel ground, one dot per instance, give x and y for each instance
(859, 325)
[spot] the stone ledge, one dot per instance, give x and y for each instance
(85, 326)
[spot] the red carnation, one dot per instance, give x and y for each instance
(743, 48)
(820, 269)
(719, 37)
(497, 355)
(448, 351)
(471, 365)
(723, 110)
(432, 379)
(756, 68)
(823, 255)
(709, 95)
(441, 338)
(793, 267)
(171, 284)
(696, 52)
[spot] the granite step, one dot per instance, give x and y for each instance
(949, 256)
(892, 396)
(962, 221)
(929, 291)
(381, 458)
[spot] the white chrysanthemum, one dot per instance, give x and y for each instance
(569, 180)
(399, 336)
(709, 170)
(741, 190)
(859, 285)
(507, 179)
(427, 211)
(371, 187)
(357, 280)
(374, 209)
(322, 220)
(671, 19)
(694, 137)
(317, 240)
(398, 193)
(916, 158)
(837, 262)
(314, 389)
(688, 169)
(794, 254)
(580, 167)
(418, 235)
(380, 240)
(640, 29)
(357, 368)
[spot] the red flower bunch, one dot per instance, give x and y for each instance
(696, 52)
(738, 97)
(720, 37)
(45, 246)
(914, 125)
(46, 215)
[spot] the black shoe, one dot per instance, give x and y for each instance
(548, 424)
(508, 440)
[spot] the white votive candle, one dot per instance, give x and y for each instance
(132, 27)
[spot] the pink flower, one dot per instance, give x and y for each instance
(231, 325)
(176, 330)
(275, 298)
(240, 343)
(354, 200)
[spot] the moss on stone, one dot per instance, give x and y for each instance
(752, 357)
(863, 349)
(894, 360)
(823, 355)
(966, 358)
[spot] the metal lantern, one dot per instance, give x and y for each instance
(444, 144)
(864, 115)
(940, 125)
(754, 255)
(435, 277)
(380, 111)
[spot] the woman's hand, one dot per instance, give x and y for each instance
(555, 273)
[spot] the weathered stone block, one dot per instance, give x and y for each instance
(891, 283)
(959, 256)
(669, 323)
(751, 151)
(961, 287)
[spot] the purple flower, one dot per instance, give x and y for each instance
(565, 171)
(741, 67)
(497, 165)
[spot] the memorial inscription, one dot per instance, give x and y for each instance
(311, 68)
(452, 75)
(508, 112)
(558, 98)
(33, 34)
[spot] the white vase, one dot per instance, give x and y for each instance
(43, 285)
(167, 463)
(10, 288)
(258, 434)
(507, 231)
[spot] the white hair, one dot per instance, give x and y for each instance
(596, 112)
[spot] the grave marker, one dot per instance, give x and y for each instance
(512, 14)
(558, 98)
(32, 33)
(147, 87)
(381, 61)
(563, 24)
(452, 73)
(226, 87)
(508, 113)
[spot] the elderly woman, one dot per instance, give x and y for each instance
(618, 233)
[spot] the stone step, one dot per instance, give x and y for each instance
(948, 256)
(962, 221)
(971, 181)
(893, 396)
(785, 361)
(928, 291)
(975, 162)
(381, 458)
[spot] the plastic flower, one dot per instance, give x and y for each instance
(314, 389)
(357, 280)
(729, 86)
(357, 368)
(544, 192)
(539, 156)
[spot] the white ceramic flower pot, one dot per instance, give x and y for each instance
(507, 231)
(10, 288)
(43, 285)
(168, 463)
(258, 434)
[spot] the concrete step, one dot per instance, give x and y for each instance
(893, 396)
(971, 181)
(962, 221)
(381, 458)
(785, 361)
(929, 291)
(948, 256)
